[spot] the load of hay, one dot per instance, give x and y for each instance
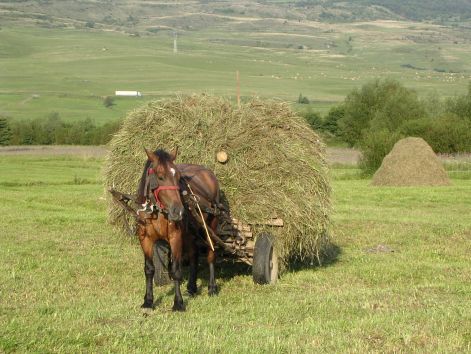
(411, 162)
(275, 164)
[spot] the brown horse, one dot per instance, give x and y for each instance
(172, 222)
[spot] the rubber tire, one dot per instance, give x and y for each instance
(161, 263)
(265, 260)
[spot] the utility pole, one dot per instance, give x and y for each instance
(175, 48)
(238, 88)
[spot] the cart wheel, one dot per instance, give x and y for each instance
(161, 263)
(265, 260)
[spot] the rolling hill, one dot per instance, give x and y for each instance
(66, 56)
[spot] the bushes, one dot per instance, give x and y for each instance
(108, 102)
(417, 127)
(450, 134)
(375, 145)
(303, 99)
(328, 124)
(374, 117)
(447, 134)
(379, 105)
(5, 131)
(55, 131)
(461, 105)
(314, 119)
(332, 118)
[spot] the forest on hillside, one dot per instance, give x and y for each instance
(127, 13)
(408, 9)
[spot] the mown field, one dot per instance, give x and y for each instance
(68, 283)
(70, 70)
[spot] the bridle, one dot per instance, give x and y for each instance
(156, 191)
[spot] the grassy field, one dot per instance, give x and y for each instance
(70, 70)
(69, 283)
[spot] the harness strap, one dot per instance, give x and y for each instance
(203, 222)
(163, 188)
(156, 191)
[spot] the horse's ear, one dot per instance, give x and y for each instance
(150, 154)
(174, 153)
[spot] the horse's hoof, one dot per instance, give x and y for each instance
(192, 291)
(147, 311)
(148, 305)
(180, 307)
(213, 290)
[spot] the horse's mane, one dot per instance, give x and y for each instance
(164, 158)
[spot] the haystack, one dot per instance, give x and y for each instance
(411, 162)
(275, 166)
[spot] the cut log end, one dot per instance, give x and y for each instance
(222, 156)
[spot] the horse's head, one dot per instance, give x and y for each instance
(167, 193)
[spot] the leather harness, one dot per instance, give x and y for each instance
(152, 191)
(152, 188)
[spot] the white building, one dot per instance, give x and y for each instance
(128, 93)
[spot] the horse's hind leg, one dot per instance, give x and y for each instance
(212, 286)
(192, 252)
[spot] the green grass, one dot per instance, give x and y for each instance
(69, 283)
(459, 170)
(69, 71)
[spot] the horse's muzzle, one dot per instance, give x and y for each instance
(175, 213)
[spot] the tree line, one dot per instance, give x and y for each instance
(54, 130)
(372, 118)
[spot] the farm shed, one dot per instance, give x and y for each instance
(128, 93)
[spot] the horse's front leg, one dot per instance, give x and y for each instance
(212, 286)
(149, 271)
(147, 246)
(178, 304)
(176, 245)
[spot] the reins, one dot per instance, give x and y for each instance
(195, 198)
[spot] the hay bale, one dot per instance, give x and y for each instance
(276, 166)
(411, 162)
